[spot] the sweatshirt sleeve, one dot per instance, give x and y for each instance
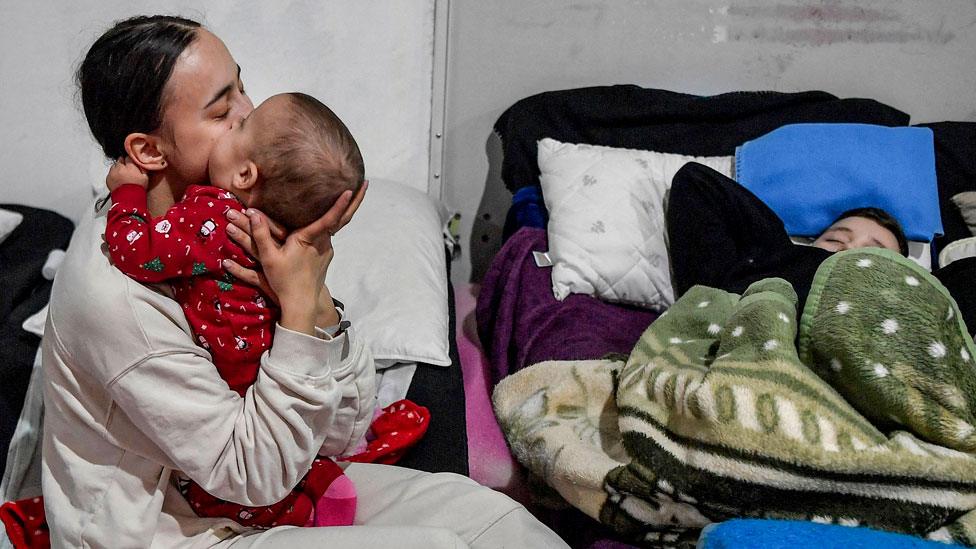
(714, 224)
(251, 450)
(355, 411)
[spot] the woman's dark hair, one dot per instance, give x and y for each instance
(882, 218)
(124, 73)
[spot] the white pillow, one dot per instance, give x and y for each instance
(8, 222)
(390, 272)
(606, 220)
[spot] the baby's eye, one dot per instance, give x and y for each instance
(222, 115)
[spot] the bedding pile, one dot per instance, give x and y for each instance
(714, 415)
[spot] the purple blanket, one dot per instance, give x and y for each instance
(520, 323)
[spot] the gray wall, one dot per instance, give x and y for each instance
(918, 56)
(370, 61)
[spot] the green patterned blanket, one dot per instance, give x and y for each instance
(714, 415)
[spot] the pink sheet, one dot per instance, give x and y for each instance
(489, 460)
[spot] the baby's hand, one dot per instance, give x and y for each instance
(125, 171)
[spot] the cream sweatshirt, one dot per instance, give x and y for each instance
(130, 399)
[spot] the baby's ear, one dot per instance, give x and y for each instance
(246, 177)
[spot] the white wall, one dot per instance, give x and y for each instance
(369, 61)
(372, 61)
(916, 55)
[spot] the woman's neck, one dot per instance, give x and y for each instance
(162, 194)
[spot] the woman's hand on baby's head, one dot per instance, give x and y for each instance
(239, 226)
(295, 269)
(124, 172)
(350, 208)
(239, 230)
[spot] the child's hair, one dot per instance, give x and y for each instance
(306, 162)
(882, 218)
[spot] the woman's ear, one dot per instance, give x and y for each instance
(246, 177)
(143, 149)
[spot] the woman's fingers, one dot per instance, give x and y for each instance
(237, 230)
(264, 243)
(250, 276)
(243, 238)
(278, 231)
(353, 206)
(338, 215)
(325, 226)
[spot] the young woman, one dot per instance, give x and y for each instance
(130, 398)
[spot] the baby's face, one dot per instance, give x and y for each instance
(856, 232)
(235, 150)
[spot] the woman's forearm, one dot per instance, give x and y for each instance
(299, 318)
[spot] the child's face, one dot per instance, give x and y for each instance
(856, 232)
(232, 157)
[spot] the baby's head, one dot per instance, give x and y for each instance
(863, 228)
(291, 158)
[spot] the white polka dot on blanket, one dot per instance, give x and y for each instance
(714, 329)
(737, 331)
(911, 281)
(835, 365)
(784, 318)
(704, 304)
(964, 354)
(770, 345)
(937, 349)
(676, 340)
(864, 262)
(880, 370)
(889, 326)
(842, 307)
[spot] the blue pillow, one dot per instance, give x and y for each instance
(811, 173)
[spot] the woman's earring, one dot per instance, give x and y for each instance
(163, 163)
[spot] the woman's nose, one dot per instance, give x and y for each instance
(242, 107)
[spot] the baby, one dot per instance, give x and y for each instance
(292, 158)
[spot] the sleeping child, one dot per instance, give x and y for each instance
(721, 235)
(292, 158)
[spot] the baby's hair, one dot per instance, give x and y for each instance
(306, 162)
(883, 218)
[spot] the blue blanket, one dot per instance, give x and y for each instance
(788, 534)
(811, 173)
